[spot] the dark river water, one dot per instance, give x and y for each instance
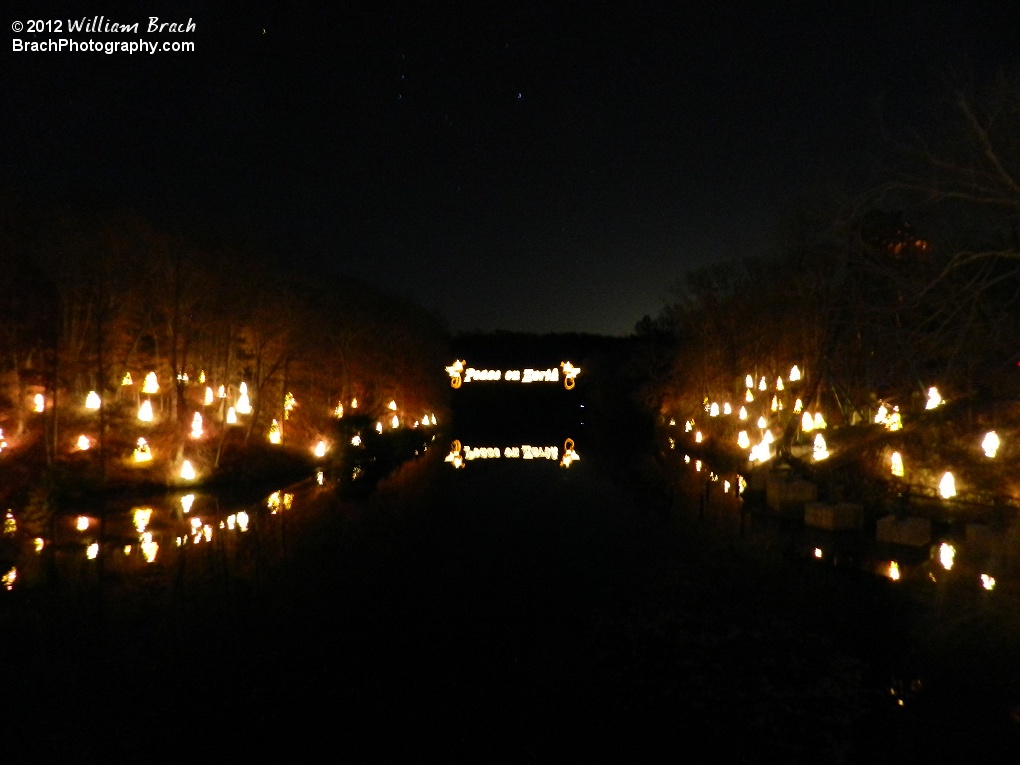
(512, 609)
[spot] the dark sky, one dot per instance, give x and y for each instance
(525, 166)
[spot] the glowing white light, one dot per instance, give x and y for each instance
(83, 443)
(356, 441)
(320, 449)
(395, 422)
(142, 452)
(201, 377)
(749, 382)
(779, 383)
(196, 426)
(208, 396)
(762, 385)
(320, 477)
(988, 582)
(186, 502)
(748, 397)
(82, 523)
(727, 409)
(897, 465)
(743, 441)
(40, 543)
(947, 486)
(187, 471)
(288, 405)
(688, 426)
(713, 410)
(145, 411)
(92, 551)
(354, 403)
(92, 400)
(126, 379)
(881, 415)
(150, 385)
(274, 433)
(392, 406)
(990, 444)
(141, 517)
(698, 437)
(242, 521)
(820, 451)
(794, 374)
(221, 392)
(947, 553)
(243, 405)
(819, 421)
(231, 416)
(934, 399)
(338, 412)
(39, 403)
(378, 427)
(894, 570)
(742, 414)
(762, 423)
(798, 406)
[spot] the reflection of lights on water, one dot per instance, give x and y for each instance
(7, 580)
(894, 570)
(988, 582)
(947, 486)
(186, 502)
(82, 523)
(92, 551)
(946, 555)
(990, 444)
(141, 517)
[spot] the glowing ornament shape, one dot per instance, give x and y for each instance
(775, 404)
(92, 400)
(288, 405)
(798, 406)
(187, 471)
(150, 384)
(142, 452)
(149, 547)
(947, 486)
(990, 444)
(141, 517)
(145, 411)
(897, 465)
(274, 433)
(882, 415)
(688, 426)
(820, 450)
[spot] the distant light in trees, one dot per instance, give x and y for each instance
(149, 547)
(762, 385)
(775, 404)
(934, 399)
(222, 392)
(698, 437)
(990, 444)
(145, 411)
(320, 449)
(727, 409)
(208, 396)
(807, 423)
(274, 433)
(186, 502)
(894, 570)
(83, 443)
(820, 450)
(392, 406)
(92, 400)
(39, 403)
(142, 452)
(126, 379)
(897, 464)
(354, 403)
(150, 385)
(201, 377)
(82, 523)
(356, 441)
(743, 441)
(196, 426)
(947, 486)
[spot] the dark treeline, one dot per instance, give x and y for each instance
(88, 298)
(912, 284)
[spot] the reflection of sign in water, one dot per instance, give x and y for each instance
(460, 454)
(460, 374)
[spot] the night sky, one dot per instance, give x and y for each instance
(523, 166)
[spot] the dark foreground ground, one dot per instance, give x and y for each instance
(510, 612)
